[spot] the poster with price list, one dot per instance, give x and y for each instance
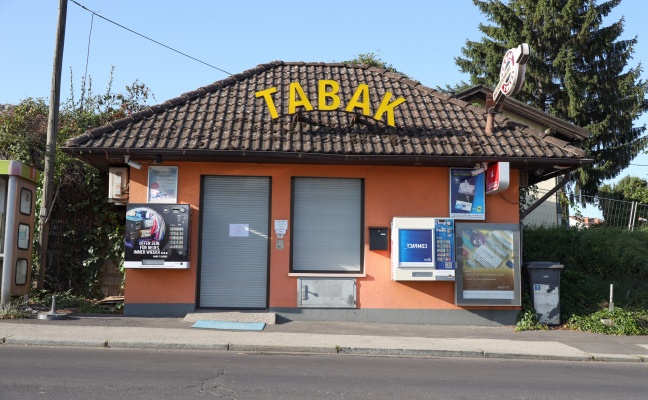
(157, 236)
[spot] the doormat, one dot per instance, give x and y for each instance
(230, 325)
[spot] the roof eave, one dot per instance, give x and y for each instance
(106, 158)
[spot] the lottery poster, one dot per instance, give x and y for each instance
(488, 264)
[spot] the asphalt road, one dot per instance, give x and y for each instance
(28, 372)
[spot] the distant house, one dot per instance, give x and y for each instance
(557, 131)
(584, 222)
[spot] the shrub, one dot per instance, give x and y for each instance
(593, 259)
(14, 309)
(67, 300)
(527, 318)
(622, 322)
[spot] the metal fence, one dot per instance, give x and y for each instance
(568, 209)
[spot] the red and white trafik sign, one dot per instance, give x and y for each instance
(512, 72)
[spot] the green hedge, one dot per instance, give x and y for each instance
(593, 258)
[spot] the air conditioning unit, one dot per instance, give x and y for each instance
(118, 185)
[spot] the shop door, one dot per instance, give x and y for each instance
(234, 242)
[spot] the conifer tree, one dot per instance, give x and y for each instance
(578, 71)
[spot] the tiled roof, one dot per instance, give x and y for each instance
(228, 119)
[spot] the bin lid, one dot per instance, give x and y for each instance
(544, 264)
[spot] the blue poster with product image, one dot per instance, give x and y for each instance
(415, 248)
(467, 194)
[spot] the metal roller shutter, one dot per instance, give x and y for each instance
(327, 225)
(234, 269)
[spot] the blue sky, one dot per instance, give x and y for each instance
(418, 37)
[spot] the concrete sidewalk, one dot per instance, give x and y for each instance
(114, 331)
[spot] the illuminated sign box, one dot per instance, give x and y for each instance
(497, 178)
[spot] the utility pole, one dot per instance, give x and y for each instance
(50, 147)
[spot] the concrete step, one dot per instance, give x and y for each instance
(231, 316)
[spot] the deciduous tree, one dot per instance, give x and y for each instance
(87, 229)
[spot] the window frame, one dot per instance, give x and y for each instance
(26, 264)
(28, 204)
(26, 241)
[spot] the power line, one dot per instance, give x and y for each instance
(148, 38)
(85, 76)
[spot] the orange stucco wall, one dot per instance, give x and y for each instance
(389, 192)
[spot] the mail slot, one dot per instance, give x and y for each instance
(378, 238)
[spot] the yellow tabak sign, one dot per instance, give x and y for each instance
(328, 99)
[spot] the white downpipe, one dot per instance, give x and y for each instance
(633, 213)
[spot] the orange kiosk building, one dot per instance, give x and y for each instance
(325, 192)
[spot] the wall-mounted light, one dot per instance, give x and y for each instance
(158, 159)
(132, 163)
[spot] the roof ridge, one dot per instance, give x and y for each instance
(394, 75)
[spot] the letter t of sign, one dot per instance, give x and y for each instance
(267, 96)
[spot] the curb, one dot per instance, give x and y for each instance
(619, 358)
(167, 346)
(385, 352)
(411, 352)
(282, 349)
(539, 357)
(53, 342)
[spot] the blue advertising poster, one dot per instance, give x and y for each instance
(467, 200)
(445, 243)
(415, 248)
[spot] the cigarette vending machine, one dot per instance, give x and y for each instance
(423, 249)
